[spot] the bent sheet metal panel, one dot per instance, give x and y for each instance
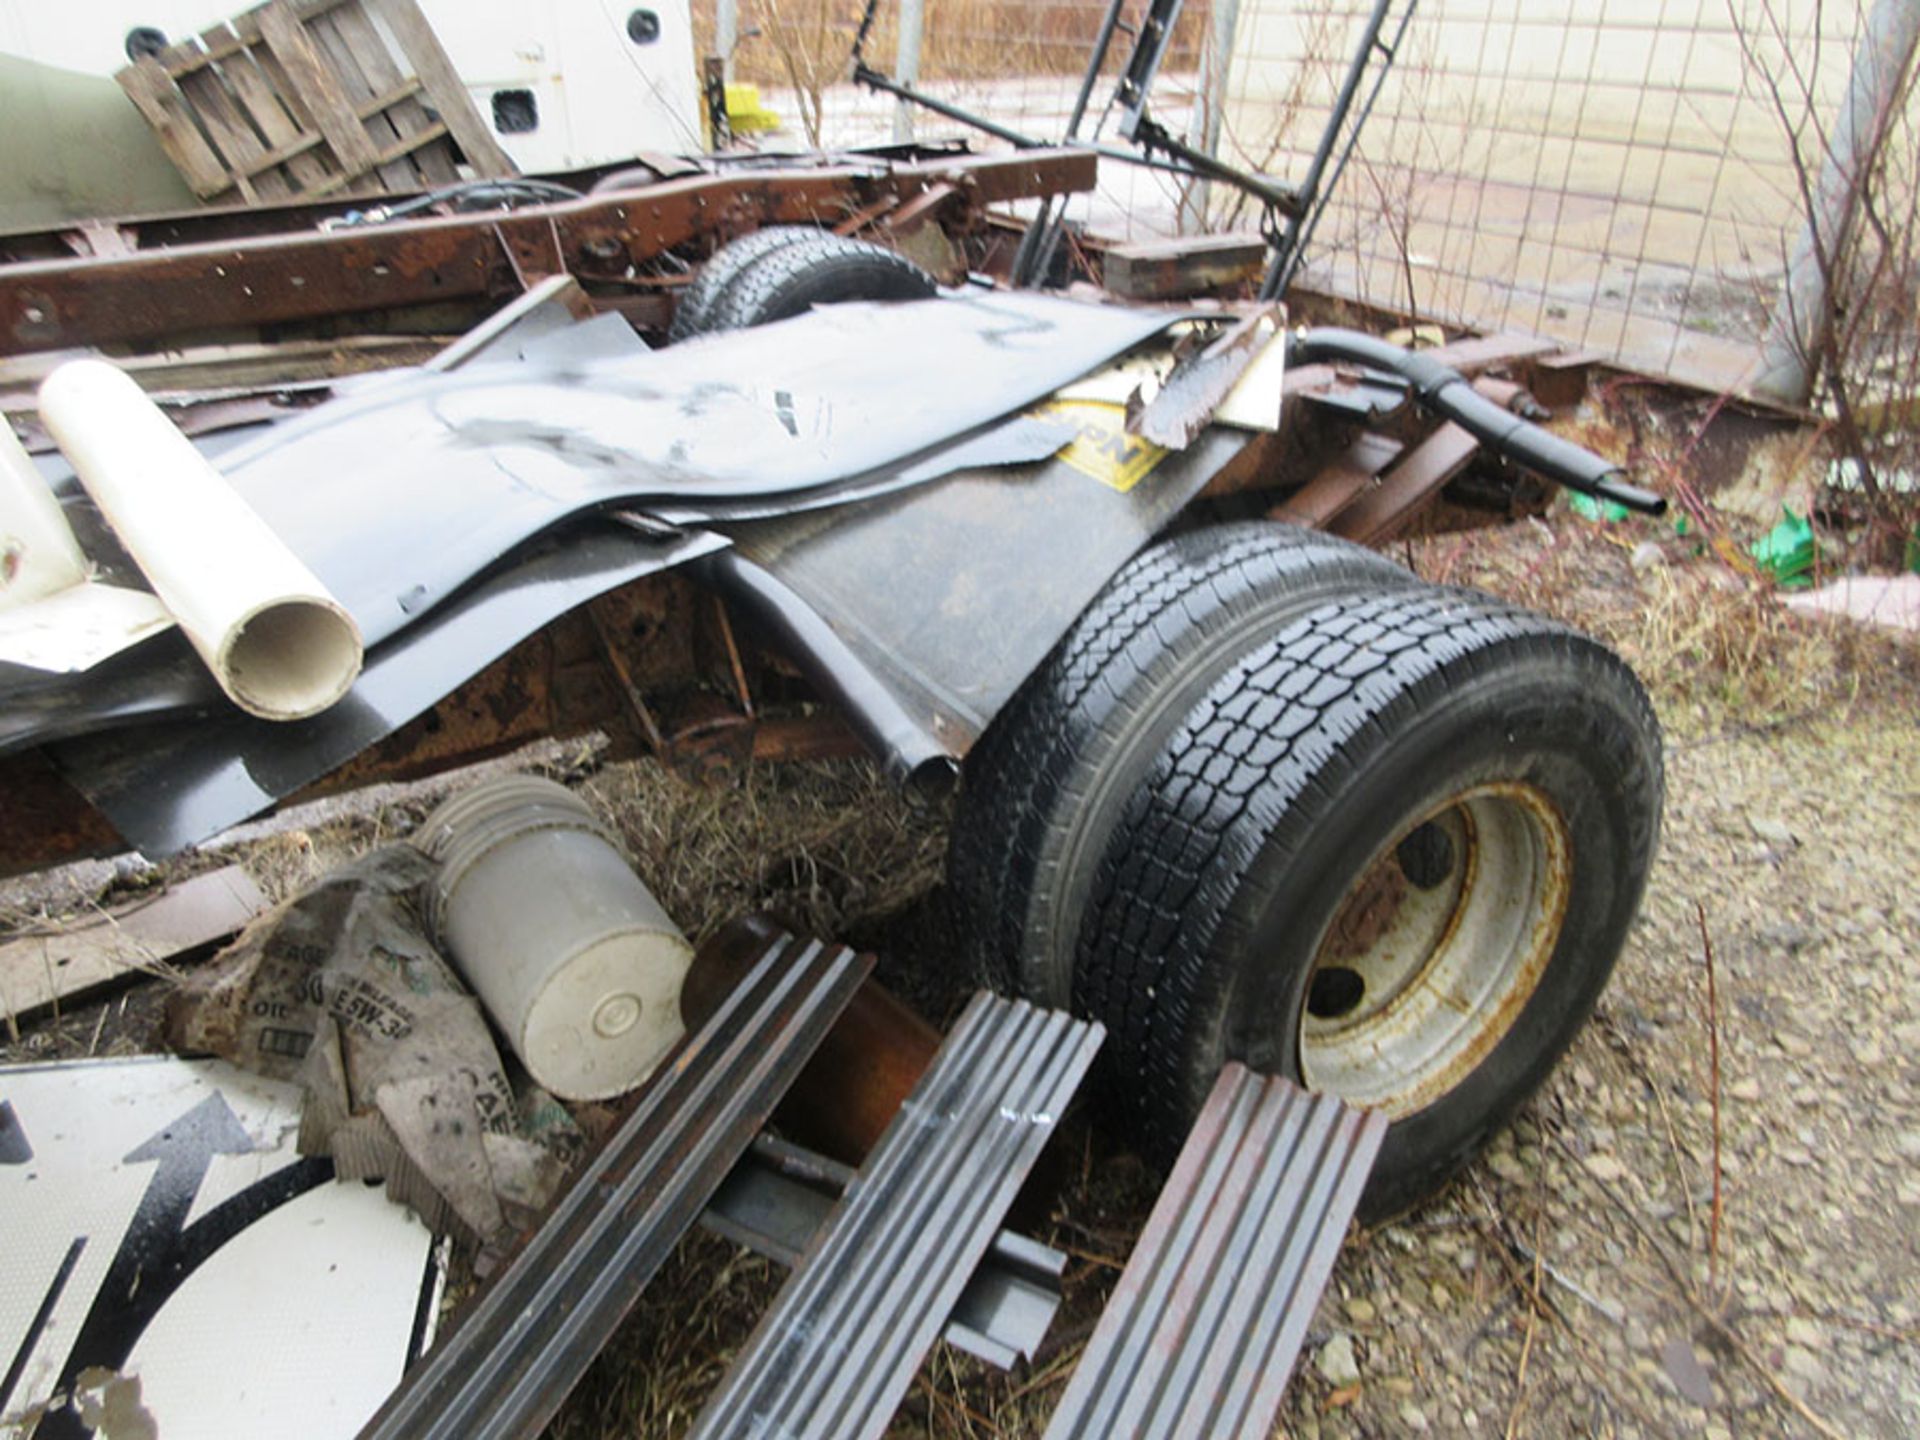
(167, 785)
(955, 592)
(1008, 586)
(951, 594)
(486, 456)
(401, 491)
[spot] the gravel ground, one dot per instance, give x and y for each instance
(1600, 1271)
(1572, 1283)
(1587, 1276)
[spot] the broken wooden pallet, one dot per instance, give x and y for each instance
(306, 98)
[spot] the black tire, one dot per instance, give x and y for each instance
(817, 270)
(723, 268)
(1257, 863)
(1049, 780)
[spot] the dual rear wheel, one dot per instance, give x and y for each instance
(1275, 800)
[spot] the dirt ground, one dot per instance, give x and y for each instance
(1707, 1223)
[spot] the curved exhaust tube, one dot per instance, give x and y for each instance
(1446, 392)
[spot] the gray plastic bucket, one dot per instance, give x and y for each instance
(570, 954)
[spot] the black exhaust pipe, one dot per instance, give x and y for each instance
(1448, 393)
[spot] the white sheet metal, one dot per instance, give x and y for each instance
(169, 1251)
(76, 628)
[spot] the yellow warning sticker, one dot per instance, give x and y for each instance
(1103, 449)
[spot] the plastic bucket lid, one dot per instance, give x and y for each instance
(569, 952)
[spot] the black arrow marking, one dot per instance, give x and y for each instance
(14, 1148)
(40, 1317)
(160, 1250)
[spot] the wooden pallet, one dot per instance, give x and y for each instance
(307, 98)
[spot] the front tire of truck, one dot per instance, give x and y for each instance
(790, 272)
(1392, 853)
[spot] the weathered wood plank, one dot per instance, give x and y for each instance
(395, 151)
(179, 61)
(301, 149)
(1188, 265)
(66, 962)
(359, 90)
(387, 99)
(1476, 353)
(444, 87)
(152, 92)
(405, 111)
(233, 136)
(247, 27)
(289, 143)
(318, 88)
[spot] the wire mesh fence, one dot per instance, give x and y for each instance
(1619, 175)
(1625, 176)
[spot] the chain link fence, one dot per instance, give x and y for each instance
(1629, 177)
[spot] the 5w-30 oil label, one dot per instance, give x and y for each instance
(1103, 449)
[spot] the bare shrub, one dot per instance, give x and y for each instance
(964, 39)
(1862, 349)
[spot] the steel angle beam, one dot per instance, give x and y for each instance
(1200, 1335)
(1380, 511)
(528, 1337)
(780, 1194)
(840, 1345)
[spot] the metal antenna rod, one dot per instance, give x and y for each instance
(1042, 237)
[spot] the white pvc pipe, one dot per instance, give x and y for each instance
(280, 645)
(38, 554)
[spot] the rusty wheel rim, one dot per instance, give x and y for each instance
(1435, 949)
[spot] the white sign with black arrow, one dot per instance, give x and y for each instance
(174, 1270)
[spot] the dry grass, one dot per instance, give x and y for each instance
(826, 847)
(1709, 639)
(675, 1345)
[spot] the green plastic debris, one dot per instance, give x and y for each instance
(1605, 512)
(1787, 551)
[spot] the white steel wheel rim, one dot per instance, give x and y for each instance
(1435, 949)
